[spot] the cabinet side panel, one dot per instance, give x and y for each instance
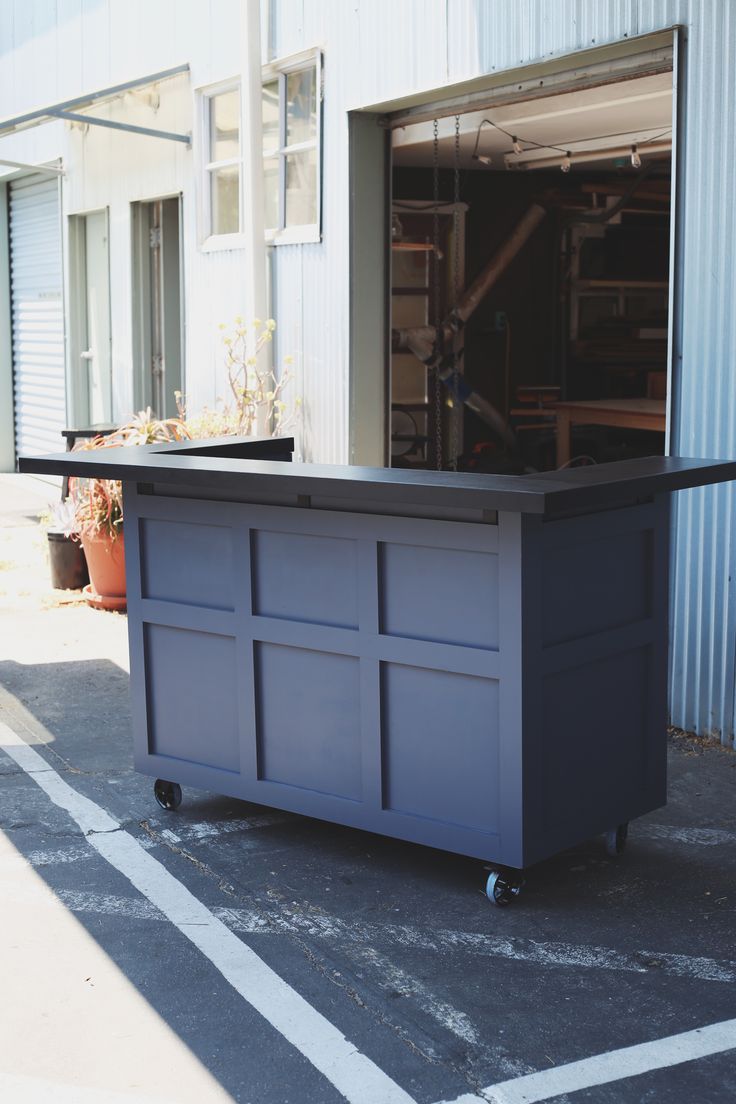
(136, 643)
(599, 737)
(513, 646)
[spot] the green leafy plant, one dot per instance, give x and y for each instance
(98, 503)
(255, 405)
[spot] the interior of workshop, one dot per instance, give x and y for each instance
(530, 268)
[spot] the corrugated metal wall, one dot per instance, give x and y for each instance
(379, 49)
(704, 596)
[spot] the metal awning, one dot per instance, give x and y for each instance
(69, 109)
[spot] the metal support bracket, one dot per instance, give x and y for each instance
(50, 170)
(74, 117)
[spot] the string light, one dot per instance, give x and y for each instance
(520, 146)
(581, 157)
(516, 142)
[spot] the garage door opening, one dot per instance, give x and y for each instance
(530, 273)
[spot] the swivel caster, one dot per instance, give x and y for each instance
(502, 888)
(616, 840)
(168, 794)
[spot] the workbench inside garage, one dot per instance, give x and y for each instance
(473, 662)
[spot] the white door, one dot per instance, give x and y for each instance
(39, 385)
(97, 352)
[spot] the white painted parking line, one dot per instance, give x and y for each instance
(206, 830)
(209, 829)
(352, 1073)
(615, 1065)
(108, 904)
(387, 974)
(280, 918)
(680, 833)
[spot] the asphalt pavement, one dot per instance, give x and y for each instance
(229, 952)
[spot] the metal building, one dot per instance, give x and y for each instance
(366, 69)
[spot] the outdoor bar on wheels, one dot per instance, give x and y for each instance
(476, 663)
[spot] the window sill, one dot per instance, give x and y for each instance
(217, 243)
(295, 235)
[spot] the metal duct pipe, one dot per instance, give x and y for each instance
(421, 339)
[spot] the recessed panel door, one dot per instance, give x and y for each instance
(97, 352)
(157, 304)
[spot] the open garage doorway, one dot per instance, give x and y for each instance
(529, 278)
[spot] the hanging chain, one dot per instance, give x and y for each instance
(436, 299)
(456, 413)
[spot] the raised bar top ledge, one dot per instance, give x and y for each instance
(221, 464)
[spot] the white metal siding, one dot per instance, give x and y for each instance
(38, 316)
(704, 424)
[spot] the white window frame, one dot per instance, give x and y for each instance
(279, 70)
(212, 242)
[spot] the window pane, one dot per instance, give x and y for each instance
(301, 188)
(301, 106)
(225, 125)
(225, 200)
(270, 102)
(271, 193)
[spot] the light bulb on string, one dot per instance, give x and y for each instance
(484, 158)
(566, 162)
(635, 158)
(516, 144)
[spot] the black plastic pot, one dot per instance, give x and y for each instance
(68, 565)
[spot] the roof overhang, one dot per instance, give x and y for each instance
(69, 109)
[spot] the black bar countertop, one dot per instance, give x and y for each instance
(222, 463)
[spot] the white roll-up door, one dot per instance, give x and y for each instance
(38, 316)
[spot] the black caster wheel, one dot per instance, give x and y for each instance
(616, 840)
(168, 794)
(502, 888)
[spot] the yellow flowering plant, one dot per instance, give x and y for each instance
(255, 405)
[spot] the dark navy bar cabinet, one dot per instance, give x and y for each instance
(477, 663)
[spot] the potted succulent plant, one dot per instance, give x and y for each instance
(66, 557)
(98, 509)
(255, 405)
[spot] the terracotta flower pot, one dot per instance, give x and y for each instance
(106, 564)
